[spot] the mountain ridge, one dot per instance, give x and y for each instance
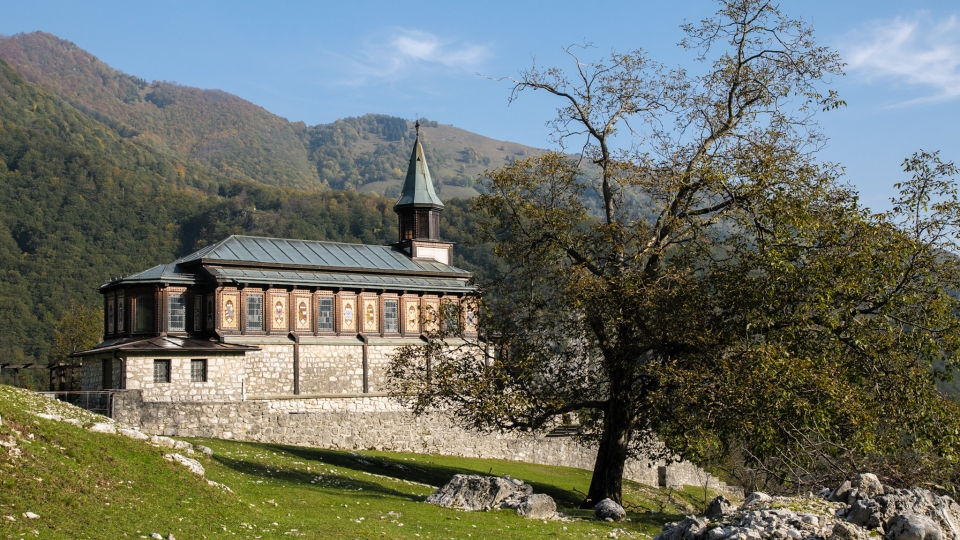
(245, 141)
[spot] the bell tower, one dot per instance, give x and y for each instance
(418, 209)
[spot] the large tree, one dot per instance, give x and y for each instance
(702, 284)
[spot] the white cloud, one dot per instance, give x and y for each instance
(409, 52)
(917, 51)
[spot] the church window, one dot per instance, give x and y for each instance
(161, 371)
(144, 319)
(120, 319)
(254, 312)
(325, 315)
(178, 312)
(451, 316)
(391, 321)
(198, 370)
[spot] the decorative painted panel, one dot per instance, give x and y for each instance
(348, 314)
(278, 313)
(229, 311)
(301, 307)
(371, 314)
(470, 316)
(430, 314)
(411, 315)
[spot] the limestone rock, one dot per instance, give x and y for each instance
(103, 427)
(473, 492)
(163, 441)
(193, 465)
(756, 497)
(865, 513)
(30, 515)
(943, 510)
(847, 531)
(204, 450)
(718, 507)
(841, 493)
(868, 485)
(915, 527)
(133, 434)
(690, 528)
(182, 445)
(537, 506)
(607, 509)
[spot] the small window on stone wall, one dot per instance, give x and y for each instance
(198, 370)
(161, 371)
(254, 312)
(178, 312)
(391, 322)
(325, 315)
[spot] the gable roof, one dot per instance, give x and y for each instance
(418, 186)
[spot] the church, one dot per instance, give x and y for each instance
(289, 341)
(251, 317)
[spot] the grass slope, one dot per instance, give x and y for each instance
(92, 485)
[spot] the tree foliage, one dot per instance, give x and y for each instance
(730, 297)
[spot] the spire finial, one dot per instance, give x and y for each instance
(417, 127)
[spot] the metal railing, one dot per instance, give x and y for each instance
(98, 401)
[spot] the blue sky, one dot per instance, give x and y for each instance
(320, 61)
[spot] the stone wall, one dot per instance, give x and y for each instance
(369, 422)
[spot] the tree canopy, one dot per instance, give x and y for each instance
(730, 297)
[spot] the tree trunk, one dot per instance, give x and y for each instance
(607, 482)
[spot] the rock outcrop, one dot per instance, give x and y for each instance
(482, 493)
(855, 510)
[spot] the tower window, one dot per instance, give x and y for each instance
(144, 319)
(177, 312)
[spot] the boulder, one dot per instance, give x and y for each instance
(475, 492)
(103, 427)
(914, 527)
(868, 485)
(847, 531)
(943, 510)
(163, 441)
(204, 450)
(841, 493)
(756, 497)
(537, 506)
(690, 528)
(133, 434)
(718, 507)
(193, 465)
(608, 510)
(865, 513)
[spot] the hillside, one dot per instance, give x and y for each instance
(82, 204)
(246, 142)
(82, 484)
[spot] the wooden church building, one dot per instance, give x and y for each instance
(252, 318)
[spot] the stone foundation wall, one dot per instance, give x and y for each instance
(370, 423)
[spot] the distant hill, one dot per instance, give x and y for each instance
(246, 142)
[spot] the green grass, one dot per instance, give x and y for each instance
(91, 485)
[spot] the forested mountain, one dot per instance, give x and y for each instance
(82, 203)
(246, 142)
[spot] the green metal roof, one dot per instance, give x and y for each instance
(310, 254)
(162, 273)
(336, 280)
(418, 186)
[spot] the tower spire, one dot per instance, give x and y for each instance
(419, 206)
